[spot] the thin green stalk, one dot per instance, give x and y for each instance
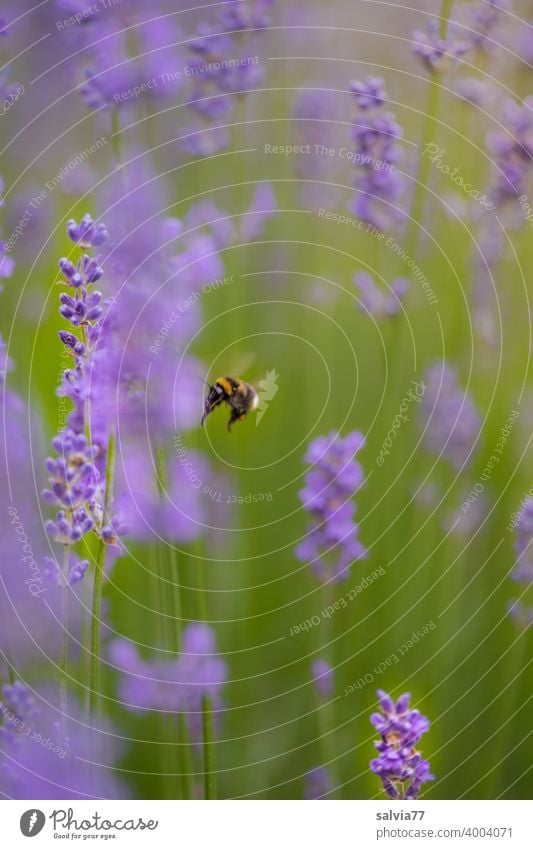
(201, 595)
(210, 779)
(63, 668)
(428, 137)
(185, 758)
(94, 672)
(326, 717)
(170, 603)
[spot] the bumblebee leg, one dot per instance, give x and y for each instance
(235, 417)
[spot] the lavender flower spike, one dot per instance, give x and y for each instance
(376, 151)
(76, 484)
(450, 419)
(332, 542)
(399, 765)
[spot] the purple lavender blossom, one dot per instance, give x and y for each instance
(316, 122)
(487, 18)
(399, 765)
(369, 93)
(87, 234)
(75, 474)
(376, 150)
(477, 92)
(450, 419)
(6, 363)
(318, 783)
(323, 677)
(76, 570)
(37, 761)
(331, 544)
(520, 611)
(177, 685)
(513, 151)
(18, 707)
(374, 301)
(436, 53)
(82, 309)
(221, 72)
(6, 263)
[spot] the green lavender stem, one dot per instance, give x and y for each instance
(63, 669)
(185, 758)
(326, 717)
(210, 784)
(94, 672)
(210, 781)
(428, 137)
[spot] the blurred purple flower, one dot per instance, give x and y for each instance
(332, 544)
(315, 121)
(399, 765)
(436, 53)
(376, 302)
(76, 570)
(449, 418)
(222, 70)
(6, 364)
(318, 783)
(176, 685)
(323, 677)
(477, 92)
(513, 150)
(37, 761)
(376, 150)
(7, 264)
(522, 612)
(487, 18)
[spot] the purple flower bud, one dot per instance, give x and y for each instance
(86, 234)
(72, 342)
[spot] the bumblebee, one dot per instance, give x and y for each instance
(240, 397)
